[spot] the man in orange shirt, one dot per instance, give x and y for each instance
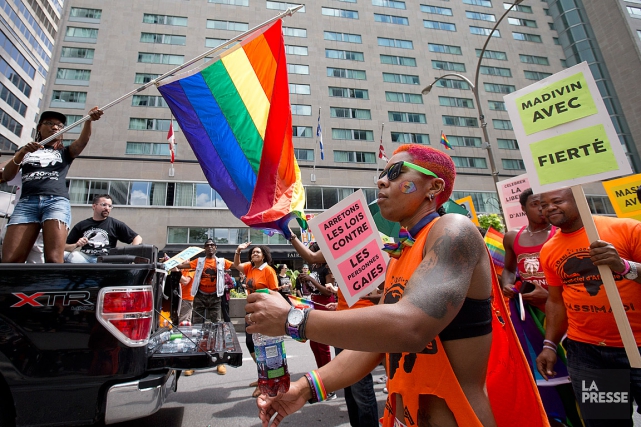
(577, 301)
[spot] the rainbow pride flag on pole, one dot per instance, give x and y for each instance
(301, 301)
(494, 241)
(445, 141)
(235, 114)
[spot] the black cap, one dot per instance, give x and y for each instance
(52, 115)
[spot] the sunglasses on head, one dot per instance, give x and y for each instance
(396, 169)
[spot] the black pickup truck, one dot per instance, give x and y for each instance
(81, 343)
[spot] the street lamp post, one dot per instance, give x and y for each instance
(475, 92)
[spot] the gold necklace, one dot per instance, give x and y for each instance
(537, 231)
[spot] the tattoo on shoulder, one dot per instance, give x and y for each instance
(443, 278)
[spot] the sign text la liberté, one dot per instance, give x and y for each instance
(349, 240)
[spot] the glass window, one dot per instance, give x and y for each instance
(522, 22)
(21, 84)
(160, 58)
(536, 75)
(436, 10)
(340, 13)
(527, 37)
(281, 5)
(345, 73)
(452, 84)
(294, 32)
(231, 2)
(408, 98)
(344, 92)
(513, 164)
(352, 134)
(518, 8)
(448, 66)
(296, 50)
(139, 193)
(300, 89)
(437, 25)
(396, 116)
(401, 78)
(73, 74)
(497, 105)
(449, 101)
(460, 121)
(495, 71)
(142, 78)
(502, 124)
(163, 38)
(507, 144)
(489, 17)
(297, 69)
(469, 162)
(498, 88)
(398, 60)
(148, 101)
(402, 44)
(302, 131)
(482, 31)
(444, 48)
(464, 141)
(178, 21)
(12, 100)
(484, 3)
(344, 54)
(227, 25)
(79, 12)
(532, 59)
(410, 138)
(394, 4)
(76, 52)
(342, 37)
(301, 110)
(69, 96)
(492, 54)
(354, 157)
(84, 33)
(350, 113)
(304, 154)
(391, 19)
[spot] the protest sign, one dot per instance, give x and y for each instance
(510, 191)
(468, 204)
(349, 240)
(183, 256)
(623, 196)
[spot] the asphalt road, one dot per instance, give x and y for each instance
(208, 399)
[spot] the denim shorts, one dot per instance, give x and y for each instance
(38, 209)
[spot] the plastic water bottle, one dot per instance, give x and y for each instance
(273, 374)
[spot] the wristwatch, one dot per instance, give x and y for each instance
(632, 274)
(295, 320)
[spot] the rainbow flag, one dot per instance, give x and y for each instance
(235, 114)
(445, 142)
(494, 241)
(301, 301)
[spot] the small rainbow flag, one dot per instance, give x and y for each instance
(301, 301)
(494, 241)
(445, 142)
(235, 114)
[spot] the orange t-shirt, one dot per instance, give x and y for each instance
(208, 278)
(342, 304)
(186, 288)
(262, 277)
(566, 262)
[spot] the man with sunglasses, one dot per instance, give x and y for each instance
(94, 236)
(434, 326)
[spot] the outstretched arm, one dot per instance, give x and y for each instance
(79, 144)
(433, 296)
(305, 253)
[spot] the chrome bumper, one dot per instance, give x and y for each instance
(138, 399)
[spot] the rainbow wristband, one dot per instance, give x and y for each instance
(318, 388)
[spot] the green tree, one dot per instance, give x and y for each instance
(491, 220)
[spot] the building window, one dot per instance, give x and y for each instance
(478, 16)
(162, 39)
(522, 22)
(78, 99)
(536, 75)
(436, 10)
(70, 54)
(634, 12)
(354, 157)
(300, 89)
(177, 21)
(301, 110)
(14, 102)
(464, 141)
(460, 121)
(71, 76)
(410, 138)
(532, 59)
(394, 4)
(227, 25)
(297, 69)
(342, 37)
(150, 124)
(281, 5)
(160, 58)
(402, 44)
(302, 131)
(81, 34)
(10, 48)
(231, 2)
(352, 134)
(294, 32)
(8, 71)
(600, 205)
(304, 154)
(296, 50)
(448, 66)
(484, 201)
(345, 92)
(507, 144)
(391, 19)
(450, 101)
(407, 98)
(482, 31)
(495, 71)
(469, 162)
(350, 113)
(498, 88)
(492, 54)
(339, 13)
(88, 14)
(452, 84)
(398, 60)
(497, 105)
(10, 123)
(502, 124)
(518, 8)
(445, 48)
(396, 116)
(346, 74)
(513, 164)
(535, 38)
(148, 101)
(344, 54)
(437, 25)
(147, 149)
(484, 3)
(401, 78)
(142, 78)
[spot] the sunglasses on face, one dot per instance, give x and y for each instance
(210, 244)
(395, 170)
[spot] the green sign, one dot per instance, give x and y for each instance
(560, 102)
(573, 155)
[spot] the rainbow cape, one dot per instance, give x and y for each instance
(235, 114)
(494, 241)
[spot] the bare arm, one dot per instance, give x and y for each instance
(305, 253)
(556, 326)
(13, 166)
(509, 271)
(237, 262)
(137, 240)
(79, 144)
(433, 296)
(182, 266)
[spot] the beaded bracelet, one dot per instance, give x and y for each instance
(316, 385)
(549, 347)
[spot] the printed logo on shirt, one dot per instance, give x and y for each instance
(43, 158)
(531, 265)
(98, 241)
(577, 269)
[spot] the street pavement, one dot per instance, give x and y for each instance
(208, 399)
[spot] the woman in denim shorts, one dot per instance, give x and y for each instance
(44, 202)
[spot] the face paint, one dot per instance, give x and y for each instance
(408, 187)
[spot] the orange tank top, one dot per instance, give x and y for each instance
(428, 372)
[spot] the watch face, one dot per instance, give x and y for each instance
(295, 317)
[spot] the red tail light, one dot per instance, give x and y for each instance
(127, 313)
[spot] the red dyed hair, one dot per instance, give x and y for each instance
(436, 161)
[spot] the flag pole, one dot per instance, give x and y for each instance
(288, 12)
(379, 152)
